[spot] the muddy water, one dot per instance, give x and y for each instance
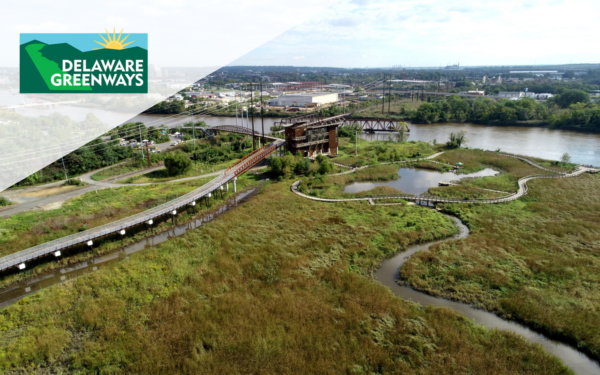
(389, 273)
(176, 120)
(543, 143)
(20, 290)
(416, 181)
(386, 275)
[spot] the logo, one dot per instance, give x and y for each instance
(73, 63)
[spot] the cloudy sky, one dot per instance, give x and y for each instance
(381, 33)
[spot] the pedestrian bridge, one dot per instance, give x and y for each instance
(221, 182)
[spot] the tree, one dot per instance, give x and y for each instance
(569, 74)
(276, 165)
(573, 96)
(358, 89)
(177, 163)
(565, 158)
(457, 139)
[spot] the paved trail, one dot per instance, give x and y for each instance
(511, 197)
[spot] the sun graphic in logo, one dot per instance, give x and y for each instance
(113, 42)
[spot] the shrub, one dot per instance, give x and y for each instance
(74, 182)
(4, 201)
(177, 163)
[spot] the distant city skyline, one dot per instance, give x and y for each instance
(433, 33)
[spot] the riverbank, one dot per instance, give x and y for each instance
(228, 298)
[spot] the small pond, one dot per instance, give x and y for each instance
(417, 181)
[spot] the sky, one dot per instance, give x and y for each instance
(86, 42)
(384, 33)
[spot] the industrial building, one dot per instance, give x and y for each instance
(313, 138)
(305, 100)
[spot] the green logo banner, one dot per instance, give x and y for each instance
(113, 63)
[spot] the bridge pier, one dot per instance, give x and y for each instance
(227, 186)
(234, 187)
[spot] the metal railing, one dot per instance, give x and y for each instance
(142, 217)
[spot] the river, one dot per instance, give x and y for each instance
(543, 143)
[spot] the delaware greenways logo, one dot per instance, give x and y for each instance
(71, 63)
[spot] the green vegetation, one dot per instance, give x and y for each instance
(536, 259)
(228, 297)
(162, 175)
(290, 166)
(126, 167)
(457, 139)
(177, 163)
(333, 186)
(87, 211)
(371, 152)
(463, 192)
(74, 182)
(559, 112)
(4, 201)
(90, 210)
(93, 155)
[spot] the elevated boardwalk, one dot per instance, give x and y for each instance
(523, 188)
(20, 258)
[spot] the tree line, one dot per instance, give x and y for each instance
(569, 109)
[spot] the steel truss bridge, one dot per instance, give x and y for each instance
(371, 126)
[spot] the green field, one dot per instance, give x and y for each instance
(279, 285)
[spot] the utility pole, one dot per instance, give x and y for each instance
(194, 132)
(383, 96)
(141, 145)
(251, 100)
(390, 94)
(148, 155)
(262, 117)
(63, 161)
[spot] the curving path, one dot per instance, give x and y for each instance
(518, 194)
(170, 208)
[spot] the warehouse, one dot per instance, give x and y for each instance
(303, 100)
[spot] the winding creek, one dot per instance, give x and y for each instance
(387, 274)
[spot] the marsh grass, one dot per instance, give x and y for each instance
(87, 211)
(280, 285)
(475, 160)
(333, 186)
(536, 260)
(463, 192)
(371, 152)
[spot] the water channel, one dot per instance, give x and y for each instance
(416, 181)
(387, 275)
